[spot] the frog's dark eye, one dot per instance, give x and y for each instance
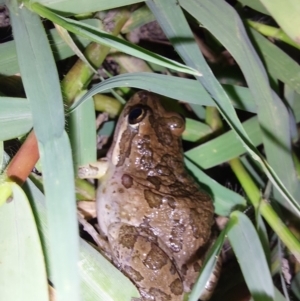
(136, 114)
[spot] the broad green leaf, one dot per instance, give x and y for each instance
(85, 6)
(277, 62)
(41, 83)
(249, 252)
(255, 4)
(15, 117)
(283, 13)
(22, 269)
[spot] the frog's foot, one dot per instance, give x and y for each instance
(95, 170)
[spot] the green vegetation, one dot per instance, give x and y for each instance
(243, 90)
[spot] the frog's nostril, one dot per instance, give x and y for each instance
(136, 115)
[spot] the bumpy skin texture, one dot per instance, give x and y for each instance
(156, 218)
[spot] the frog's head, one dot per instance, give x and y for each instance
(145, 133)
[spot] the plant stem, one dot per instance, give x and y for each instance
(80, 74)
(273, 32)
(265, 208)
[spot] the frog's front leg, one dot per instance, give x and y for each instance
(145, 263)
(95, 170)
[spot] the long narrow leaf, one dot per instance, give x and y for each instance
(247, 248)
(22, 270)
(106, 39)
(174, 87)
(42, 87)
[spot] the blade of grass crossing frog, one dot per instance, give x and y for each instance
(249, 252)
(209, 263)
(174, 24)
(86, 6)
(178, 88)
(286, 15)
(225, 200)
(99, 277)
(104, 38)
(82, 132)
(15, 117)
(22, 272)
(42, 87)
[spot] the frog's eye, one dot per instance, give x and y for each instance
(136, 114)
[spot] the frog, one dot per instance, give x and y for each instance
(157, 221)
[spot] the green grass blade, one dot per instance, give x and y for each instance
(224, 147)
(109, 40)
(249, 252)
(179, 88)
(277, 62)
(42, 87)
(70, 42)
(174, 24)
(195, 130)
(9, 62)
(209, 263)
(15, 117)
(83, 134)
(22, 269)
(255, 4)
(85, 6)
(283, 13)
(2, 164)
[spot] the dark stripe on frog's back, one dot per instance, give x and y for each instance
(125, 145)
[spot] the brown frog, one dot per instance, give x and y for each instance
(156, 218)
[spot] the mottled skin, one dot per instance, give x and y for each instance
(157, 220)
